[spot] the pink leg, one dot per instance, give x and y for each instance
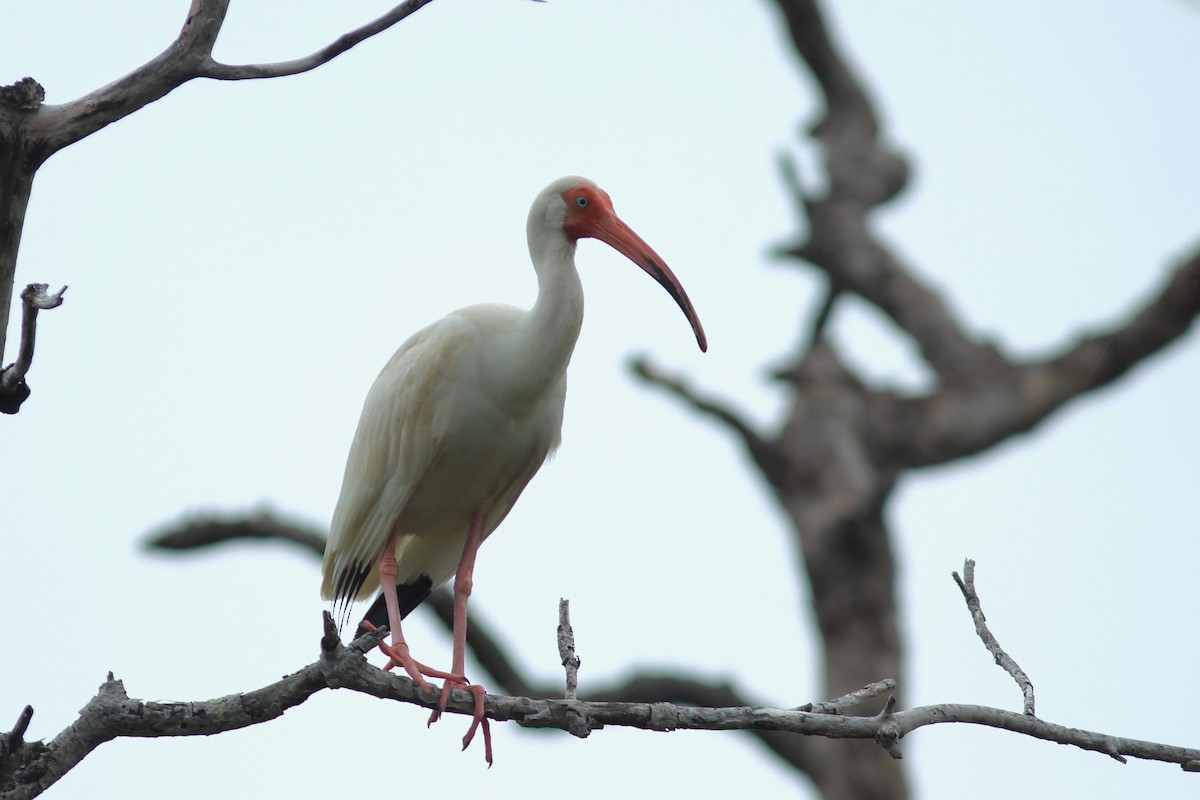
(398, 653)
(463, 580)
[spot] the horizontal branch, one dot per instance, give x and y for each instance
(485, 645)
(1116, 747)
(112, 714)
(637, 702)
(206, 530)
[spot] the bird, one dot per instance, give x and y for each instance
(456, 424)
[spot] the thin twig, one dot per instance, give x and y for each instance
(820, 323)
(13, 740)
(762, 450)
(240, 72)
(34, 298)
(967, 585)
(579, 723)
(566, 648)
(840, 704)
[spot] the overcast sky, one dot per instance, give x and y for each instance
(243, 259)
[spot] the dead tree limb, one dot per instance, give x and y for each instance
(486, 646)
(31, 132)
(28, 768)
(966, 583)
(187, 58)
(13, 389)
(649, 699)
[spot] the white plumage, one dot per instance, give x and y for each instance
(458, 422)
(436, 453)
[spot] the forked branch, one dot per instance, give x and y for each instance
(967, 585)
(31, 132)
(240, 72)
(187, 58)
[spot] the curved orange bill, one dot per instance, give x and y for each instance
(612, 231)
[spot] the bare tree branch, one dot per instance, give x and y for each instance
(864, 173)
(55, 127)
(112, 714)
(485, 647)
(206, 530)
(761, 450)
(241, 72)
(1100, 359)
(839, 704)
(16, 182)
(662, 702)
(484, 644)
(13, 390)
(999, 401)
(967, 585)
(566, 648)
(31, 132)
(188, 57)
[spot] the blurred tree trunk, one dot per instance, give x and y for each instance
(834, 461)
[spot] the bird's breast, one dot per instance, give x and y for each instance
(486, 456)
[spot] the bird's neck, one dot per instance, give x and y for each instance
(546, 335)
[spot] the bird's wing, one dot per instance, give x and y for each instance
(399, 434)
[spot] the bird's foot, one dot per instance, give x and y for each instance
(478, 719)
(398, 656)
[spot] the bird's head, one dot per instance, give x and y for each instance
(580, 210)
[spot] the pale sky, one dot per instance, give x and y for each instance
(243, 258)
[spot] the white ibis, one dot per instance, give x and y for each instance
(457, 423)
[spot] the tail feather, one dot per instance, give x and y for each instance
(346, 586)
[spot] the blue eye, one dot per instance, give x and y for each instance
(581, 201)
